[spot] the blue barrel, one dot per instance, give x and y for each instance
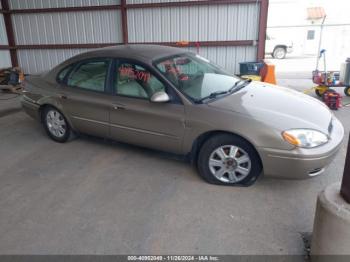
(250, 68)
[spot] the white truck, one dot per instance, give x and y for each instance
(278, 48)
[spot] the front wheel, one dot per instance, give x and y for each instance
(229, 160)
(279, 53)
(56, 125)
(347, 91)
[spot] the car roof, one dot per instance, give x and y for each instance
(140, 52)
(145, 53)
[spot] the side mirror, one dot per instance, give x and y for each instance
(160, 97)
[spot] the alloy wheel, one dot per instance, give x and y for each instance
(230, 164)
(56, 123)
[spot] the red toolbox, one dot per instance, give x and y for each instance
(332, 100)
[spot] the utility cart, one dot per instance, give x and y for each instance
(325, 80)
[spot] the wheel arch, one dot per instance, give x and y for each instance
(200, 140)
(280, 46)
(45, 105)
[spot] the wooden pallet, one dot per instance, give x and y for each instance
(11, 89)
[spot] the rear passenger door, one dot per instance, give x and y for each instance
(84, 96)
(135, 119)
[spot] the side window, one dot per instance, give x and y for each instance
(62, 74)
(136, 81)
(90, 75)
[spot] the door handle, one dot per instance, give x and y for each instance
(118, 107)
(62, 96)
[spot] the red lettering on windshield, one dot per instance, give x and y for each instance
(131, 73)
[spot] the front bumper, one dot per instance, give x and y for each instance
(302, 163)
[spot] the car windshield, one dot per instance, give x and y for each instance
(196, 77)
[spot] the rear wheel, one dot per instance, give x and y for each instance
(229, 160)
(279, 53)
(56, 125)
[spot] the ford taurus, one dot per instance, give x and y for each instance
(172, 100)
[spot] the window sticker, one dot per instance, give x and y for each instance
(131, 73)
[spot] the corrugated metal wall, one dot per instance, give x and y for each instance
(154, 1)
(68, 28)
(25, 4)
(223, 22)
(62, 28)
(199, 23)
(33, 61)
(228, 57)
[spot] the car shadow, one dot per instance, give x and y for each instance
(129, 147)
(172, 159)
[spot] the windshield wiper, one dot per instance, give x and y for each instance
(239, 85)
(213, 95)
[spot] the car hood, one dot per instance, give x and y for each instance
(280, 107)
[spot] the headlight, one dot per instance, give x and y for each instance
(307, 138)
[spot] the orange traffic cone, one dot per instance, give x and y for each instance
(268, 73)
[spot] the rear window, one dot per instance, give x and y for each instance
(62, 74)
(90, 75)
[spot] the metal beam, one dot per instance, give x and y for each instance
(124, 7)
(5, 47)
(65, 9)
(94, 45)
(9, 32)
(190, 3)
(345, 186)
(203, 43)
(264, 7)
(58, 46)
(128, 6)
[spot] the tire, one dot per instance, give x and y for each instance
(279, 53)
(227, 167)
(56, 125)
(320, 91)
(347, 91)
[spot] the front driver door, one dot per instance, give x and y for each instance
(135, 119)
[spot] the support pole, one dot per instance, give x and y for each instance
(124, 21)
(345, 186)
(9, 32)
(319, 46)
(264, 7)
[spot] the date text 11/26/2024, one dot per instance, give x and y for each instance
(173, 258)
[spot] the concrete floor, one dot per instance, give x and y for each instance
(92, 196)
